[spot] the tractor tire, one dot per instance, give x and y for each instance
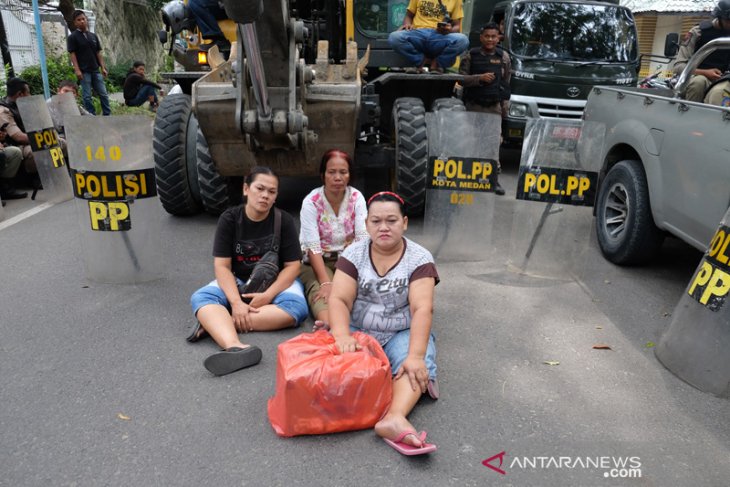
(213, 186)
(624, 225)
(451, 104)
(411, 152)
(174, 156)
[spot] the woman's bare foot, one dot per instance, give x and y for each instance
(393, 425)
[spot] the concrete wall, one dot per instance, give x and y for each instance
(128, 32)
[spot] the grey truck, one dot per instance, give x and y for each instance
(665, 166)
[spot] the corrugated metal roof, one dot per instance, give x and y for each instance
(668, 6)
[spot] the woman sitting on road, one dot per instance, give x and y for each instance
(384, 286)
(245, 233)
(332, 217)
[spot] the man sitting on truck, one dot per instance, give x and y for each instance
(486, 71)
(713, 66)
(431, 34)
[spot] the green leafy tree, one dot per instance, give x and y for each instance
(59, 69)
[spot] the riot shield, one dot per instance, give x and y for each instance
(463, 154)
(60, 107)
(556, 188)
(116, 197)
(695, 346)
(46, 147)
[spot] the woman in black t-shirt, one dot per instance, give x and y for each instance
(245, 233)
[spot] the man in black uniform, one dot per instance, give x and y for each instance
(713, 67)
(486, 71)
(85, 50)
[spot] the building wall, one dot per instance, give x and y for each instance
(653, 30)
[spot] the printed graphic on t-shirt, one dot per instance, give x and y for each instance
(431, 10)
(248, 252)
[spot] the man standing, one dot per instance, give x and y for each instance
(85, 50)
(430, 34)
(713, 66)
(486, 71)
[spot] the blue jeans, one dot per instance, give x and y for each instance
(291, 300)
(205, 13)
(417, 44)
(95, 81)
(144, 94)
(396, 349)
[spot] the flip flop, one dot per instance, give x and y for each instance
(320, 325)
(197, 333)
(233, 359)
(409, 450)
(433, 389)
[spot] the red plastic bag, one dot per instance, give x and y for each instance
(319, 390)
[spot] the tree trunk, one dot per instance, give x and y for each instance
(7, 59)
(66, 7)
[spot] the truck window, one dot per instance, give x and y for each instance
(378, 18)
(573, 32)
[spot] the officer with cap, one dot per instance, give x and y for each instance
(713, 67)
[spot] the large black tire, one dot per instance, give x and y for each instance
(411, 152)
(625, 227)
(451, 104)
(173, 144)
(213, 186)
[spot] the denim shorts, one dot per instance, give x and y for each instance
(291, 300)
(396, 349)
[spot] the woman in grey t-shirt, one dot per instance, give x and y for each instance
(384, 286)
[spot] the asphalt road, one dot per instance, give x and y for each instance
(99, 386)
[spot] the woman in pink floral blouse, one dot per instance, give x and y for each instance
(332, 217)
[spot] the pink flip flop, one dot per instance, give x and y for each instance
(405, 449)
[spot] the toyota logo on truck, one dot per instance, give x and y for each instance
(573, 91)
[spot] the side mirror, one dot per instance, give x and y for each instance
(163, 36)
(671, 44)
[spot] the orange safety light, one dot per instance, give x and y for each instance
(202, 57)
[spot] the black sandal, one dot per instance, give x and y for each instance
(233, 359)
(197, 333)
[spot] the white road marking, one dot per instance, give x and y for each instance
(25, 215)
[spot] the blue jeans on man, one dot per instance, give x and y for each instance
(143, 95)
(419, 44)
(95, 81)
(205, 13)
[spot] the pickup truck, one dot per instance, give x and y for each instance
(665, 166)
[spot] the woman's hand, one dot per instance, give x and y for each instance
(347, 343)
(241, 314)
(258, 299)
(415, 369)
(324, 292)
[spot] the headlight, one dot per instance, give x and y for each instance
(517, 110)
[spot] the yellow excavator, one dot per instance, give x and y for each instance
(302, 77)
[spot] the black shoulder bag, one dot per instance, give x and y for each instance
(266, 270)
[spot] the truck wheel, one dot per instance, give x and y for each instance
(452, 104)
(624, 225)
(173, 144)
(213, 186)
(411, 152)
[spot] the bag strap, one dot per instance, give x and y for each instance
(277, 230)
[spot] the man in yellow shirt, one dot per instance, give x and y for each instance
(431, 34)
